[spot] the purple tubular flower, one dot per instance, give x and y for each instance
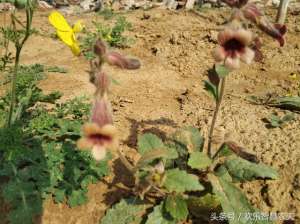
(114, 58)
(234, 46)
(102, 83)
(277, 31)
(99, 134)
(101, 112)
(100, 48)
(235, 3)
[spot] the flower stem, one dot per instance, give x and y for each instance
(13, 88)
(216, 112)
(19, 45)
(125, 161)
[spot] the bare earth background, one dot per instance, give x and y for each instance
(167, 92)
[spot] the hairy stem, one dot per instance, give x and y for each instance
(215, 116)
(125, 161)
(13, 87)
(282, 10)
(19, 46)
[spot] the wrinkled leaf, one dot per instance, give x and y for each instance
(234, 202)
(159, 216)
(199, 160)
(287, 102)
(148, 142)
(223, 172)
(163, 153)
(275, 121)
(177, 207)
(203, 206)
(231, 148)
(288, 117)
(189, 137)
(180, 181)
(243, 170)
(124, 212)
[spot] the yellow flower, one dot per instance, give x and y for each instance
(65, 32)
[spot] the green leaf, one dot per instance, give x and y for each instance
(77, 197)
(243, 170)
(148, 142)
(199, 160)
(275, 121)
(230, 148)
(221, 70)
(190, 137)
(224, 151)
(124, 212)
(180, 181)
(14, 190)
(211, 88)
(25, 211)
(116, 82)
(287, 102)
(223, 172)
(59, 195)
(203, 206)
(57, 69)
(163, 153)
(177, 207)
(233, 201)
(288, 117)
(159, 216)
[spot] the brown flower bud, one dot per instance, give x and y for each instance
(277, 31)
(114, 58)
(102, 83)
(100, 48)
(101, 112)
(235, 3)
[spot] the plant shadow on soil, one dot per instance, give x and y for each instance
(131, 141)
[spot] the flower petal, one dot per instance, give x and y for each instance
(75, 49)
(219, 54)
(245, 36)
(78, 27)
(225, 35)
(98, 152)
(109, 130)
(84, 143)
(90, 129)
(248, 55)
(232, 63)
(93, 129)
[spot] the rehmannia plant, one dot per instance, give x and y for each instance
(183, 178)
(100, 134)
